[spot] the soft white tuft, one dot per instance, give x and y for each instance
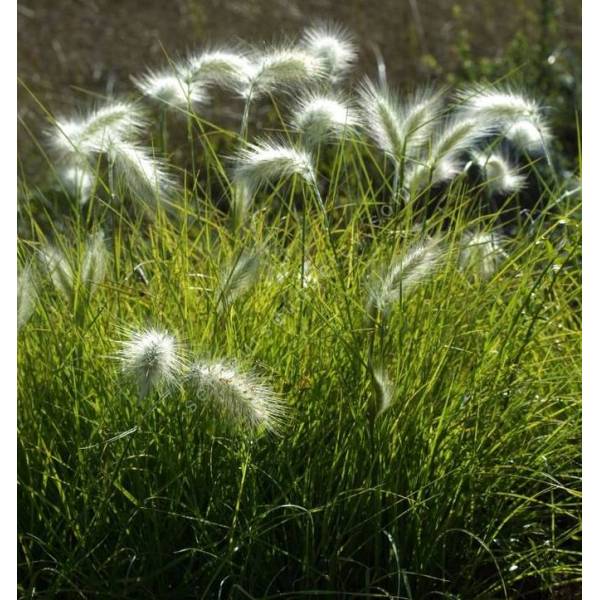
(151, 358)
(320, 118)
(500, 175)
(277, 70)
(172, 89)
(78, 181)
(26, 296)
(334, 46)
(246, 399)
(482, 252)
(402, 275)
(269, 160)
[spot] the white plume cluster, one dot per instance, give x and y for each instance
(155, 360)
(112, 130)
(66, 275)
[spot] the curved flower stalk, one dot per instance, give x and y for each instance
(60, 271)
(334, 46)
(151, 358)
(402, 276)
(84, 137)
(268, 160)
(520, 118)
(172, 88)
(237, 278)
(276, 70)
(111, 131)
(482, 253)
(319, 118)
(90, 273)
(26, 296)
(500, 176)
(242, 396)
(218, 67)
(445, 156)
(399, 129)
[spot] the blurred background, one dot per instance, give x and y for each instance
(72, 53)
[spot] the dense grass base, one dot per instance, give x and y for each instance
(467, 486)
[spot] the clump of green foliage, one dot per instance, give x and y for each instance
(339, 360)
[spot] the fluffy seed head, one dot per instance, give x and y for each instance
(402, 275)
(26, 296)
(381, 117)
(399, 129)
(500, 176)
(220, 67)
(280, 69)
(93, 268)
(60, 271)
(246, 399)
(482, 252)
(150, 357)
(320, 118)
(269, 160)
(78, 180)
(333, 45)
(497, 105)
(529, 135)
(172, 89)
(237, 278)
(143, 174)
(92, 134)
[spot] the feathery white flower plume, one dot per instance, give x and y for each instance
(151, 357)
(402, 275)
(384, 390)
(269, 160)
(143, 174)
(93, 267)
(443, 159)
(519, 117)
(220, 67)
(243, 396)
(482, 252)
(399, 129)
(500, 176)
(497, 105)
(172, 89)
(321, 117)
(237, 278)
(60, 271)
(78, 181)
(529, 135)
(92, 134)
(333, 45)
(381, 114)
(278, 69)
(26, 296)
